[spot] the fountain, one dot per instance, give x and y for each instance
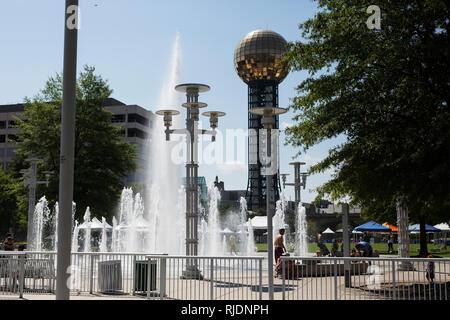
(87, 230)
(40, 219)
(251, 248)
(165, 172)
(301, 243)
(149, 228)
(279, 217)
(212, 243)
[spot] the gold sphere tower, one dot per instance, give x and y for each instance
(257, 60)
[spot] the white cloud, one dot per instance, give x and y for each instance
(232, 166)
(285, 125)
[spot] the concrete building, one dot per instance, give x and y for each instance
(136, 121)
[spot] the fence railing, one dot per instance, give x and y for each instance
(332, 278)
(152, 276)
(12, 266)
(207, 278)
(229, 277)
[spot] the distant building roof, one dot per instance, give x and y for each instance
(20, 107)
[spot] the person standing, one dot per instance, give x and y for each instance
(430, 271)
(233, 245)
(390, 244)
(8, 245)
(279, 245)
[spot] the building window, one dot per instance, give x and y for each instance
(2, 152)
(12, 138)
(11, 152)
(118, 118)
(11, 124)
(134, 117)
(2, 124)
(2, 138)
(133, 132)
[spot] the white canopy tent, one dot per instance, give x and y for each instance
(94, 224)
(442, 226)
(328, 231)
(441, 236)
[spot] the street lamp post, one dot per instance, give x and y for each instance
(192, 133)
(30, 180)
(299, 180)
(268, 120)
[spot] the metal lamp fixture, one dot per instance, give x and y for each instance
(299, 179)
(213, 120)
(30, 180)
(167, 120)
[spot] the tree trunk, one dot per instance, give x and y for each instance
(423, 237)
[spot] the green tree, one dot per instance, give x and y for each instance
(11, 189)
(101, 160)
(386, 91)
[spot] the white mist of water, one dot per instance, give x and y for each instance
(75, 237)
(164, 175)
(246, 237)
(279, 217)
(211, 243)
(87, 231)
(301, 244)
(103, 239)
(251, 247)
(40, 218)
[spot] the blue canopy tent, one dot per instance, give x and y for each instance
(372, 226)
(428, 228)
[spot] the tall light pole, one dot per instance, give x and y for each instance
(30, 180)
(66, 161)
(299, 180)
(403, 234)
(268, 120)
(192, 133)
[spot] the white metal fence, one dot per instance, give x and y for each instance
(208, 278)
(230, 277)
(331, 278)
(12, 266)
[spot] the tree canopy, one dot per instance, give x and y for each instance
(101, 159)
(387, 92)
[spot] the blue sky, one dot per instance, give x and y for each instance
(130, 42)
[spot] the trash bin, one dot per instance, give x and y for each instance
(141, 275)
(109, 276)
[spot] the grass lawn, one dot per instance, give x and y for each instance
(381, 247)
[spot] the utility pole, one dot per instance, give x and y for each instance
(67, 149)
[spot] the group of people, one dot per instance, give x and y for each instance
(9, 244)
